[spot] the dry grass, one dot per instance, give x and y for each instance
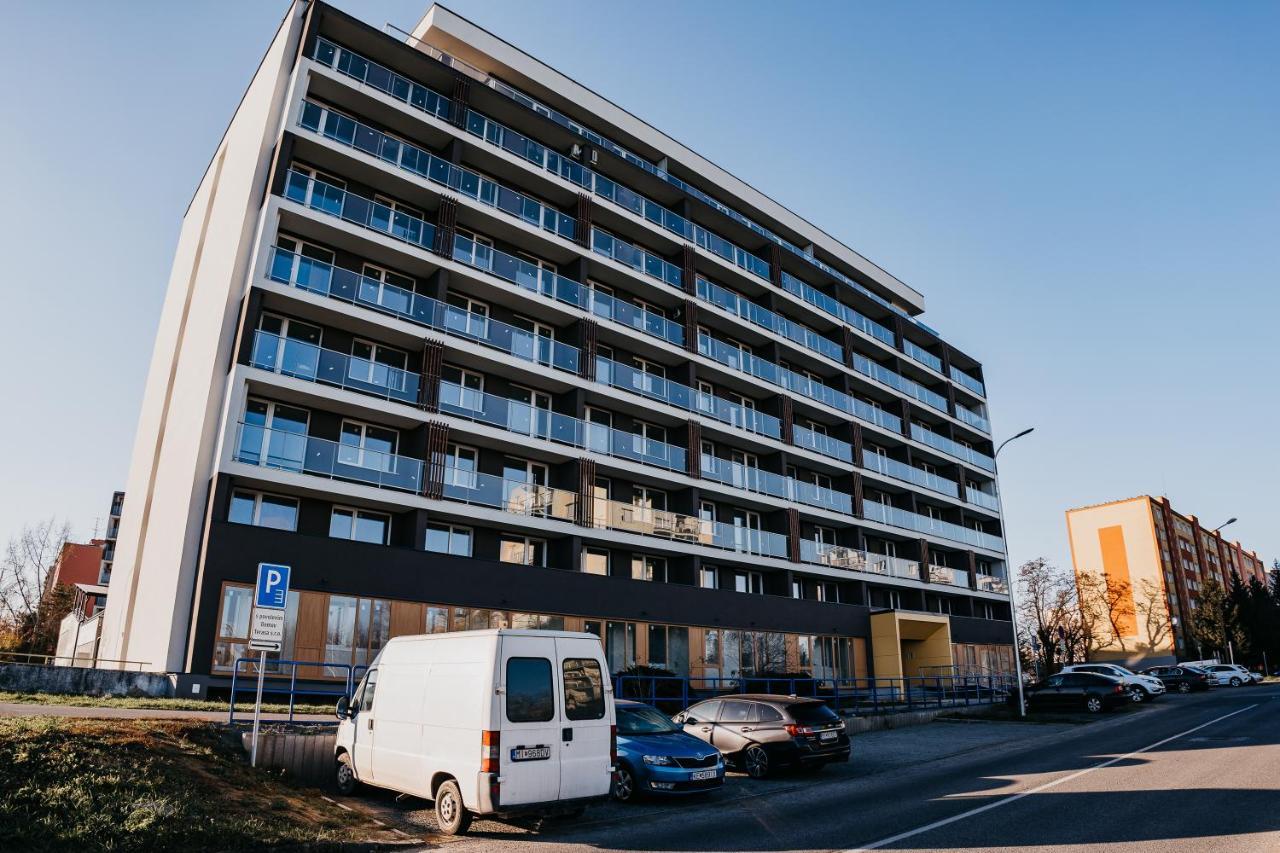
(243, 704)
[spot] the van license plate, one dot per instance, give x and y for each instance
(827, 735)
(531, 753)
(699, 775)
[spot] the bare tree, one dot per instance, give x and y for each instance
(1153, 610)
(29, 559)
(1047, 610)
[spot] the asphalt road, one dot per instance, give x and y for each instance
(1192, 773)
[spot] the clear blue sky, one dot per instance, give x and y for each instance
(1088, 194)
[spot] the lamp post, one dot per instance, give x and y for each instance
(1013, 603)
(1224, 524)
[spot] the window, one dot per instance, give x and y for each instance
(370, 687)
(620, 645)
(263, 510)
(383, 287)
(461, 388)
(707, 577)
(368, 446)
(669, 648)
(583, 689)
(449, 539)
(529, 692)
(647, 568)
(647, 498)
(595, 561)
(273, 435)
(735, 711)
(287, 346)
(466, 315)
(378, 365)
(360, 525)
(522, 549)
(461, 466)
(750, 582)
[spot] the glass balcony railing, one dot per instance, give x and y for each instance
(437, 170)
(349, 286)
(335, 201)
(854, 560)
(767, 483)
(293, 451)
(381, 78)
(766, 319)
(949, 576)
(526, 420)
(952, 448)
(531, 277)
(920, 354)
(673, 393)
(824, 444)
(909, 474)
(898, 382)
(968, 381)
(836, 308)
(977, 497)
(895, 517)
(992, 583)
(528, 499)
(303, 360)
(973, 419)
(636, 258)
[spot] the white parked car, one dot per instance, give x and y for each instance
(1231, 674)
(498, 722)
(1142, 688)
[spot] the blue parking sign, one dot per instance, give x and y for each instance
(273, 586)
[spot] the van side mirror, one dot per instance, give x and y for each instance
(343, 711)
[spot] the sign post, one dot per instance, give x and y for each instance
(271, 595)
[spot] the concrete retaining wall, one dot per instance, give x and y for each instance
(82, 681)
(909, 718)
(306, 756)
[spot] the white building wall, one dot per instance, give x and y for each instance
(148, 613)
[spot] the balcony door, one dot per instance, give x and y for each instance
(746, 530)
(368, 446)
(385, 289)
(287, 346)
(273, 435)
(538, 341)
(525, 486)
(598, 425)
(530, 412)
(378, 365)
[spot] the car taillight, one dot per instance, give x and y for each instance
(613, 745)
(794, 730)
(490, 751)
(1119, 688)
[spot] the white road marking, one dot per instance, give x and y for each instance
(1012, 798)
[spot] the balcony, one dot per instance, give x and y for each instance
(949, 576)
(992, 583)
(952, 448)
(523, 419)
(766, 319)
(672, 393)
(895, 517)
(381, 78)
(820, 443)
(775, 485)
(836, 308)
(973, 419)
(909, 474)
(528, 499)
(284, 450)
(535, 279)
(921, 355)
(854, 560)
(962, 378)
(898, 382)
(409, 158)
(977, 497)
(349, 286)
(358, 210)
(303, 360)
(636, 258)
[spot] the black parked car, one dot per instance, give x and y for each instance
(1076, 691)
(1181, 678)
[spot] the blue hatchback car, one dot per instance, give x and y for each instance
(655, 756)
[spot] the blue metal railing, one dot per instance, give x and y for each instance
(858, 696)
(277, 683)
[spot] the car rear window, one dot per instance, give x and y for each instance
(530, 696)
(811, 713)
(583, 689)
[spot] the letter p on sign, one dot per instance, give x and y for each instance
(273, 586)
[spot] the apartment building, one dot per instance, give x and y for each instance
(467, 345)
(1159, 559)
(109, 539)
(77, 567)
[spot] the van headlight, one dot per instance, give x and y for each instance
(659, 760)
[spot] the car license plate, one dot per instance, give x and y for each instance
(827, 735)
(531, 753)
(699, 775)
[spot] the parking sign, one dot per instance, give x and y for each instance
(273, 586)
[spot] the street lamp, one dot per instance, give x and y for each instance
(1013, 604)
(1224, 524)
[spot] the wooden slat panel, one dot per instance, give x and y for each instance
(313, 613)
(407, 617)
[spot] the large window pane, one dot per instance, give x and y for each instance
(237, 601)
(340, 633)
(278, 513)
(583, 689)
(242, 505)
(529, 691)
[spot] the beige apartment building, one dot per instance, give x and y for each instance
(1161, 559)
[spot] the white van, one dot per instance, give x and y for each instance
(496, 722)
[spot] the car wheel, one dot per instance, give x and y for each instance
(755, 760)
(345, 776)
(624, 784)
(1235, 681)
(452, 816)
(1137, 695)
(1093, 704)
(1184, 687)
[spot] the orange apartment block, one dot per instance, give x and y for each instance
(1164, 557)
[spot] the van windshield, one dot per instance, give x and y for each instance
(643, 720)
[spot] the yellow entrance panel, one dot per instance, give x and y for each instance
(909, 644)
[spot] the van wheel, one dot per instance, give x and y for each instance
(1093, 704)
(755, 760)
(345, 776)
(624, 784)
(451, 815)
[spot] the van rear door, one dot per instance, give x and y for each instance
(529, 762)
(586, 739)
